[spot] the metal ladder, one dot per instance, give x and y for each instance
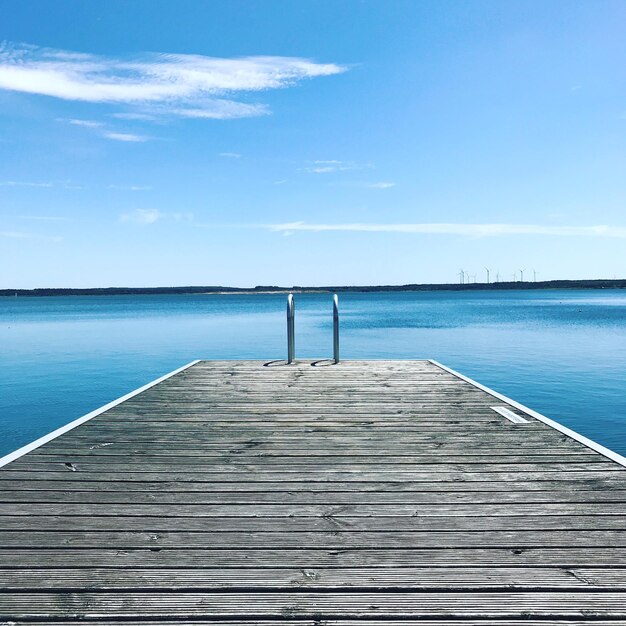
(291, 329)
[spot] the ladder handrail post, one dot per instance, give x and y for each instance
(291, 340)
(335, 328)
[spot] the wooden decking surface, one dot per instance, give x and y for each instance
(238, 493)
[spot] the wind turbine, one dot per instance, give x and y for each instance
(521, 272)
(498, 277)
(461, 277)
(534, 276)
(487, 270)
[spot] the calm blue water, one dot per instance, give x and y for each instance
(562, 353)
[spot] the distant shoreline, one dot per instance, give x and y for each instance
(263, 289)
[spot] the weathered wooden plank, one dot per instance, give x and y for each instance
(373, 578)
(275, 439)
(347, 622)
(316, 510)
(567, 490)
(476, 604)
(305, 557)
(342, 457)
(362, 427)
(338, 539)
(302, 466)
(155, 523)
(208, 433)
(81, 493)
(148, 472)
(413, 455)
(270, 437)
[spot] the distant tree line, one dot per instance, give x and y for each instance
(121, 291)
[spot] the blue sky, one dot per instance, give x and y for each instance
(153, 143)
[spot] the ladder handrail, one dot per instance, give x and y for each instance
(291, 331)
(335, 328)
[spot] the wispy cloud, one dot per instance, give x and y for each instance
(151, 216)
(230, 155)
(130, 187)
(84, 123)
(45, 185)
(171, 84)
(129, 137)
(381, 185)
(20, 183)
(142, 216)
(141, 117)
(8, 234)
(101, 129)
(43, 218)
(219, 109)
(467, 230)
(330, 166)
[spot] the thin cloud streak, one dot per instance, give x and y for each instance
(100, 128)
(381, 185)
(142, 216)
(146, 217)
(130, 187)
(47, 185)
(182, 85)
(128, 137)
(331, 166)
(466, 230)
(9, 234)
(85, 123)
(17, 183)
(43, 218)
(223, 110)
(135, 117)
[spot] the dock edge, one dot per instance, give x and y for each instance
(600, 449)
(29, 447)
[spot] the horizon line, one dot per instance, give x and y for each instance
(590, 283)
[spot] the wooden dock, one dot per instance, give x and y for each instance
(238, 492)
